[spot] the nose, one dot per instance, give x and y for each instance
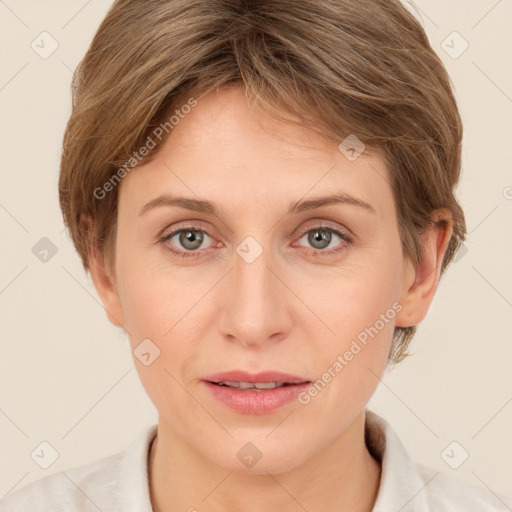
(257, 307)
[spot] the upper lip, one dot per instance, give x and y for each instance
(241, 376)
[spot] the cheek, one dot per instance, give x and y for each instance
(164, 305)
(145, 307)
(360, 309)
(155, 313)
(353, 297)
(350, 364)
(150, 293)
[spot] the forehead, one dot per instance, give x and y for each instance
(223, 152)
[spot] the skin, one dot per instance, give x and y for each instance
(288, 310)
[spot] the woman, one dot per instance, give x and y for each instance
(263, 193)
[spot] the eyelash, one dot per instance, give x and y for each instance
(314, 252)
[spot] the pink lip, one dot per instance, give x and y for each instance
(256, 402)
(252, 401)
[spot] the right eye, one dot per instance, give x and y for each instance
(190, 238)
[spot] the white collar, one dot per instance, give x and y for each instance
(401, 485)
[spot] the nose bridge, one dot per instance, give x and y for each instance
(252, 272)
(255, 309)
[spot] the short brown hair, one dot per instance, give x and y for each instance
(342, 67)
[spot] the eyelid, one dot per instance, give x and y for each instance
(192, 225)
(322, 223)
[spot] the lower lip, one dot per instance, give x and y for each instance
(256, 402)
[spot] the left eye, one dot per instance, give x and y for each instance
(321, 237)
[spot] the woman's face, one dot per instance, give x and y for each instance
(262, 284)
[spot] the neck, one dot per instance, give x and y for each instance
(343, 476)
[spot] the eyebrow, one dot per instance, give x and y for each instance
(208, 207)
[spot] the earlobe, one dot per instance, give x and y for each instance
(104, 282)
(420, 281)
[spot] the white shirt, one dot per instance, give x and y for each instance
(119, 483)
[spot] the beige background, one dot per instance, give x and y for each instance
(67, 376)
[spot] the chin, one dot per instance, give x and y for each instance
(257, 458)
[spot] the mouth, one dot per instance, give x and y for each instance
(260, 393)
(255, 394)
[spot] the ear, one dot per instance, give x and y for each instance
(420, 282)
(104, 281)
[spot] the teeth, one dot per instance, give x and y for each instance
(251, 385)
